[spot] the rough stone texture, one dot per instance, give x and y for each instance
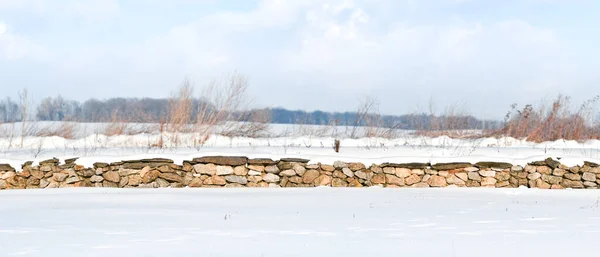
(437, 181)
(236, 179)
(224, 170)
(310, 176)
(206, 169)
(261, 162)
(451, 166)
(534, 176)
(487, 173)
(288, 173)
(571, 176)
(323, 180)
(454, 180)
(222, 160)
(348, 172)
(159, 172)
(299, 169)
(499, 165)
(488, 181)
(474, 175)
(587, 176)
(272, 169)
(412, 165)
(393, 180)
(271, 178)
(354, 166)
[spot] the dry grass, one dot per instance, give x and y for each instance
(117, 126)
(552, 123)
(65, 130)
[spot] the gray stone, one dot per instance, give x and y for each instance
(587, 176)
(72, 180)
(474, 175)
(271, 178)
(272, 169)
(361, 174)
(96, 179)
(348, 172)
(487, 173)
(299, 169)
(236, 179)
(340, 165)
(224, 170)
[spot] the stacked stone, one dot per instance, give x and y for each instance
(222, 171)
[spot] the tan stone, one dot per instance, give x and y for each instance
(403, 173)
(437, 181)
(354, 166)
(338, 182)
(443, 173)
(59, 177)
(299, 169)
(462, 176)
(355, 183)
(310, 176)
(572, 176)
(111, 176)
(323, 180)
(149, 176)
(271, 178)
(258, 168)
(389, 170)
(215, 180)
(454, 180)
(205, 169)
(488, 181)
(559, 172)
(326, 167)
(487, 173)
(418, 172)
(412, 179)
(588, 176)
(393, 180)
(421, 185)
(134, 180)
(544, 170)
(378, 179)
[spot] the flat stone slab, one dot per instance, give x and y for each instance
(222, 160)
(498, 165)
(411, 165)
(451, 165)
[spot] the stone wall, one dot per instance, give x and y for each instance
(221, 171)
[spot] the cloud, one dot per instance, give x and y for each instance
(308, 54)
(15, 47)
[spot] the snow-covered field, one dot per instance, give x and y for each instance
(303, 141)
(299, 222)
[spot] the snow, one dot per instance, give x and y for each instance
(300, 141)
(299, 222)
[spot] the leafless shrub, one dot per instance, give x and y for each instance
(117, 126)
(552, 123)
(223, 110)
(65, 130)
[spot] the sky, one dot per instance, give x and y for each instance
(480, 56)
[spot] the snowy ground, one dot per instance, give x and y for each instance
(301, 141)
(299, 222)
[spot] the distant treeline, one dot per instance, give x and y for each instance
(156, 110)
